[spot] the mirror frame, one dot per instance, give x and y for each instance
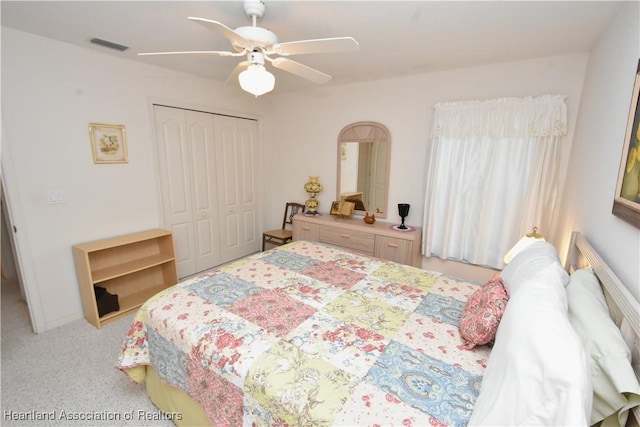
(365, 132)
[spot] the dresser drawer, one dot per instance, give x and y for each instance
(305, 231)
(393, 249)
(352, 239)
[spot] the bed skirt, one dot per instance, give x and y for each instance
(184, 410)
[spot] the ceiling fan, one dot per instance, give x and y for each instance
(259, 44)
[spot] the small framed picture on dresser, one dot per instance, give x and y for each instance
(335, 208)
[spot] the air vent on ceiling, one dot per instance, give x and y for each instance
(110, 45)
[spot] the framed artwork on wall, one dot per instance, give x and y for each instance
(626, 203)
(108, 143)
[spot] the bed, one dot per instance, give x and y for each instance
(309, 334)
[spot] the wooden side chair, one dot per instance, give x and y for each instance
(283, 235)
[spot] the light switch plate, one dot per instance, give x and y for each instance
(56, 197)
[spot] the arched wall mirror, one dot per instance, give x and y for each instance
(363, 166)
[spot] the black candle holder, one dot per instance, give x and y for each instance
(403, 211)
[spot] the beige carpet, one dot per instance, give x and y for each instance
(66, 375)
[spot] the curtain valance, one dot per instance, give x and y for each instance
(545, 115)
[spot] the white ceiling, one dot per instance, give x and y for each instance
(397, 38)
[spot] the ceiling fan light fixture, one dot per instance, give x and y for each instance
(256, 80)
(260, 44)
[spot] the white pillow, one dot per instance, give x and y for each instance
(537, 372)
(529, 262)
(615, 387)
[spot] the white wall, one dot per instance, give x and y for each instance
(303, 131)
(595, 158)
(51, 91)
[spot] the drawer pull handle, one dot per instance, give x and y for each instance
(346, 236)
(306, 228)
(392, 245)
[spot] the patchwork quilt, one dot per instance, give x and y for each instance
(310, 335)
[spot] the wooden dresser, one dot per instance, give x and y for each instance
(378, 240)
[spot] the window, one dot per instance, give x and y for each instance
(492, 175)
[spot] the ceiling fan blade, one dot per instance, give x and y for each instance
(330, 45)
(233, 77)
(301, 70)
(224, 31)
(194, 52)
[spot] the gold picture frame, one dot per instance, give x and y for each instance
(108, 143)
(626, 203)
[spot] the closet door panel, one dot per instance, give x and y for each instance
(237, 146)
(247, 169)
(228, 173)
(249, 228)
(203, 166)
(229, 202)
(173, 162)
(178, 179)
(231, 228)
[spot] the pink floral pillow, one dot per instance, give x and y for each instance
(482, 313)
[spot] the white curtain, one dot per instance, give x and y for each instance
(492, 175)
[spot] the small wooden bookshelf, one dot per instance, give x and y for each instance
(134, 266)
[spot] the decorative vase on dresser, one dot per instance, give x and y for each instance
(369, 219)
(379, 240)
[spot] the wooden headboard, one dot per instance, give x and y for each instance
(624, 309)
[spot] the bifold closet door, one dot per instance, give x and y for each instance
(237, 154)
(187, 169)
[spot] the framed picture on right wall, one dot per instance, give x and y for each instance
(626, 203)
